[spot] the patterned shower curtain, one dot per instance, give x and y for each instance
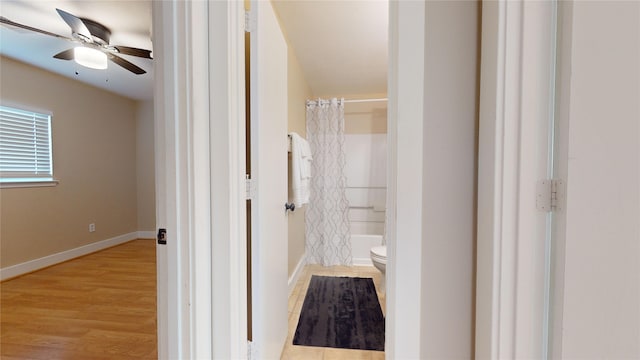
(327, 222)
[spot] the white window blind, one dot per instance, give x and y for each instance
(25, 145)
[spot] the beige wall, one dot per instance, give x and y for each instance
(94, 147)
(449, 163)
(600, 159)
(299, 92)
(145, 161)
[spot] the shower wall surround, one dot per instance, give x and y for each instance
(366, 172)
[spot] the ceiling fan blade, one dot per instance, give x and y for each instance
(76, 25)
(64, 55)
(126, 64)
(126, 50)
(4, 20)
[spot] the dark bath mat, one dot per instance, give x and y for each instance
(341, 312)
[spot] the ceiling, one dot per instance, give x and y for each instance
(130, 25)
(341, 45)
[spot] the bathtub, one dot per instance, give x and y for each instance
(361, 244)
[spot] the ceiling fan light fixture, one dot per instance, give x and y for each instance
(89, 57)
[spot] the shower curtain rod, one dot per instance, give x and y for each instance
(352, 100)
(364, 100)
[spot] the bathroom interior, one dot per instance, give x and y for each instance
(365, 172)
(363, 131)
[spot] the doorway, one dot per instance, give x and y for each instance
(362, 29)
(222, 151)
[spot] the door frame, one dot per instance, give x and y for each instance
(514, 153)
(404, 208)
(199, 128)
(200, 151)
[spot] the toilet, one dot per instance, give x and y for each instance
(379, 260)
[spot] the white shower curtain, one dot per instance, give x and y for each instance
(327, 222)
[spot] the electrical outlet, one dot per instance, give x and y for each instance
(92, 227)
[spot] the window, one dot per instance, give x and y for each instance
(25, 148)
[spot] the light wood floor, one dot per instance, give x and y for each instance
(100, 306)
(103, 307)
(296, 352)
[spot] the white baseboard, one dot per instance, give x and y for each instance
(147, 234)
(43, 262)
(293, 279)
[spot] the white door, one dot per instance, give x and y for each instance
(200, 166)
(269, 172)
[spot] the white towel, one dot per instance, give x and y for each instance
(300, 169)
(305, 167)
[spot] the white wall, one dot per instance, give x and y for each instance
(600, 145)
(432, 140)
(449, 166)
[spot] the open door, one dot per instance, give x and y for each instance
(200, 167)
(268, 109)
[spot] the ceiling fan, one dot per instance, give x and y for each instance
(94, 49)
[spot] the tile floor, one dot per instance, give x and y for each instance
(295, 352)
